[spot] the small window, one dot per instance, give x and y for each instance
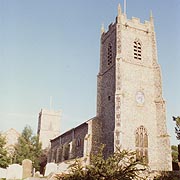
(109, 55)
(117, 142)
(78, 142)
(137, 50)
(66, 151)
(109, 98)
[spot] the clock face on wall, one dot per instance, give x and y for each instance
(140, 97)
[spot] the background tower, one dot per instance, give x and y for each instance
(48, 126)
(129, 98)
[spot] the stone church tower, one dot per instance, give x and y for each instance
(129, 99)
(48, 126)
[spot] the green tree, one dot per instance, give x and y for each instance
(43, 160)
(174, 153)
(177, 128)
(122, 165)
(171, 175)
(4, 158)
(28, 147)
(177, 131)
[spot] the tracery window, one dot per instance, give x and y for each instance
(109, 55)
(137, 50)
(141, 144)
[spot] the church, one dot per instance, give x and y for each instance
(131, 112)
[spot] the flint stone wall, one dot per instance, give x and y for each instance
(73, 138)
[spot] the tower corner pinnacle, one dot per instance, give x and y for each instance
(151, 17)
(102, 28)
(119, 9)
(151, 14)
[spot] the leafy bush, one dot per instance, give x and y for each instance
(122, 165)
(168, 176)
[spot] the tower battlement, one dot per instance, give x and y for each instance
(136, 23)
(133, 23)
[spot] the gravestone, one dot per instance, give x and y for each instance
(50, 167)
(3, 173)
(62, 167)
(27, 168)
(14, 171)
(37, 174)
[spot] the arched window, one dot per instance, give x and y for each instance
(78, 142)
(141, 142)
(109, 55)
(66, 151)
(137, 50)
(60, 151)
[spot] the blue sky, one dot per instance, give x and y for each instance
(51, 48)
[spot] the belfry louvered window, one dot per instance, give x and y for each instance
(141, 144)
(137, 50)
(109, 55)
